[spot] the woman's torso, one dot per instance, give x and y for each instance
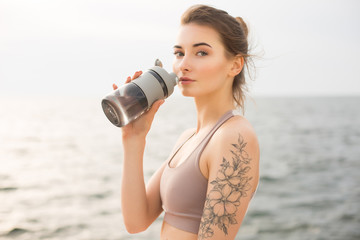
(169, 232)
(191, 153)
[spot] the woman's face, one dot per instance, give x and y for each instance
(200, 62)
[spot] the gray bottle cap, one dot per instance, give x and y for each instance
(152, 87)
(170, 80)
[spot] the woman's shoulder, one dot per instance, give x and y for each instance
(235, 125)
(234, 140)
(236, 129)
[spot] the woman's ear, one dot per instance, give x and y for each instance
(237, 66)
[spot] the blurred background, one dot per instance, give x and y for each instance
(60, 158)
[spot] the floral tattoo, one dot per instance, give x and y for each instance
(230, 185)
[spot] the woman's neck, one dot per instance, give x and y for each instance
(210, 109)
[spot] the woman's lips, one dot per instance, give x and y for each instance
(186, 80)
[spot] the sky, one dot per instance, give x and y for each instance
(79, 47)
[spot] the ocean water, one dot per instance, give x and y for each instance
(60, 168)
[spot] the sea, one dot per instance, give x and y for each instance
(61, 164)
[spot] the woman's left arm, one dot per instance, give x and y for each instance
(233, 178)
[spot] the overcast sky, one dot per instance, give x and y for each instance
(65, 47)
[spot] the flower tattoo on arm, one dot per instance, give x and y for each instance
(230, 185)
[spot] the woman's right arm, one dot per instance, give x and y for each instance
(140, 205)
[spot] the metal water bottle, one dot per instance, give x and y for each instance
(132, 99)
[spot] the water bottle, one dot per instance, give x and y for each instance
(132, 99)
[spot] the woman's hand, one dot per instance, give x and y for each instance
(141, 126)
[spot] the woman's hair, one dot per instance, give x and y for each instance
(233, 33)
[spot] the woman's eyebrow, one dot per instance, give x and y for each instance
(195, 45)
(201, 44)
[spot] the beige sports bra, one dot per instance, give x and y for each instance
(183, 188)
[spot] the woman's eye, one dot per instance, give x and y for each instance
(178, 54)
(201, 53)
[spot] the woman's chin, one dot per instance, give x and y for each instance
(186, 93)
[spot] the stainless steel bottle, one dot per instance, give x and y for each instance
(132, 99)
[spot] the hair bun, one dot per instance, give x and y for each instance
(243, 25)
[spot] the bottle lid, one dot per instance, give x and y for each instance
(170, 79)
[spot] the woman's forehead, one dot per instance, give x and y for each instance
(190, 34)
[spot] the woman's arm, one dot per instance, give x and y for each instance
(233, 178)
(140, 205)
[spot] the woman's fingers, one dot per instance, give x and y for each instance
(136, 75)
(129, 79)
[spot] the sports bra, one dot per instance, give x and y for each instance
(183, 188)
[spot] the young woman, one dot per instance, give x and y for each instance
(207, 183)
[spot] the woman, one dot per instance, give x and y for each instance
(208, 181)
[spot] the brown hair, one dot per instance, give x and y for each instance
(233, 33)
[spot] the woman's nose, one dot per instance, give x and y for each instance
(185, 64)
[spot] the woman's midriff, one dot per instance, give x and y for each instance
(169, 232)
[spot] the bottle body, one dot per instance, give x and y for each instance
(131, 100)
(125, 104)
